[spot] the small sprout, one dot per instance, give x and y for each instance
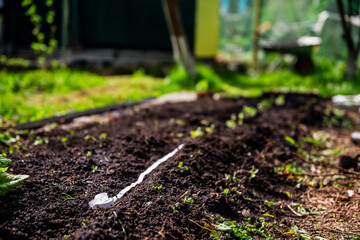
(269, 203)
(175, 206)
(265, 104)
(280, 100)
(253, 172)
(94, 169)
(210, 129)
(119, 154)
(182, 167)
(103, 136)
(196, 133)
(53, 172)
(179, 135)
(232, 122)
(228, 177)
(88, 153)
(290, 140)
(158, 188)
(66, 236)
(226, 226)
(249, 111)
(180, 122)
(268, 215)
(226, 192)
(84, 222)
(120, 222)
(64, 139)
(288, 194)
(38, 141)
(67, 196)
(88, 137)
(186, 198)
(71, 132)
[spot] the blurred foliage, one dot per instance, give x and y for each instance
(33, 95)
(45, 43)
(205, 80)
(327, 79)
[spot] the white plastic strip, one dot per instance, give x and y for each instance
(102, 200)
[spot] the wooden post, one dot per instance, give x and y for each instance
(256, 32)
(180, 48)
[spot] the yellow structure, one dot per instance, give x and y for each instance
(207, 23)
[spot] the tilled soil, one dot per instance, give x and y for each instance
(68, 171)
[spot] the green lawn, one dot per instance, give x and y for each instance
(32, 95)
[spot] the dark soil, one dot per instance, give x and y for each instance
(38, 209)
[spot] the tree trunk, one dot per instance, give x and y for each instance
(351, 65)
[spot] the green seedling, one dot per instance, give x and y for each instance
(38, 141)
(174, 207)
(103, 136)
(253, 172)
(71, 132)
(290, 140)
(8, 181)
(158, 188)
(197, 133)
(265, 104)
(64, 139)
(88, 153)
(249, 111)
(232, 178)
(94, 169)
(280, 100)
(67, 196)
(242, 231)
(299, 233)
(84, 221)
(210, 129)
(269, 203)
(232, 122)
(317, 139)
(178, 122)
(226, 192)
(120, 222)
(182, 167)
(186, 198)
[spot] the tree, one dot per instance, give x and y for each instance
(353, 47)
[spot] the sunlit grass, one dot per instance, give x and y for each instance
(33, 95)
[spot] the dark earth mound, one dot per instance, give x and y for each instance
(174, 202)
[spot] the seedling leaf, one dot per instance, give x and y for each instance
(4, 162)
(290, 140)
(225, 226)
(9, 181)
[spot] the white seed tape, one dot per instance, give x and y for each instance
(102, 200)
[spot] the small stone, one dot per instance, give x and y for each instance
(245, 213)
(355, 137)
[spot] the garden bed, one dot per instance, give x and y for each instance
(229, 180)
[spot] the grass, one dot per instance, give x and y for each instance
(33, 95)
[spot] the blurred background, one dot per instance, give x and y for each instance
(59, 56)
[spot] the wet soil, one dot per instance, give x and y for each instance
(72, 167)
